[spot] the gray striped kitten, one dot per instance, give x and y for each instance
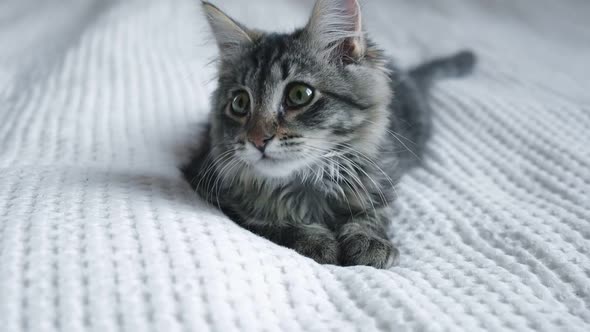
(310, 132)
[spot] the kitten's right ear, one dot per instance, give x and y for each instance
(229, 34)
(336, 27)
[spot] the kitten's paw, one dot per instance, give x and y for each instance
(322, 248)
(360, 248)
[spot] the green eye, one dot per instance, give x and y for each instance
(299, 95)
(241, 103)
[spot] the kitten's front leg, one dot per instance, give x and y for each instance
(364, 241)
(314, 241)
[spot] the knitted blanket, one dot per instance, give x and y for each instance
(99, 232)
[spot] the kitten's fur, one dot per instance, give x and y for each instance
(325, 182)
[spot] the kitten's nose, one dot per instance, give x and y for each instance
(260, 142)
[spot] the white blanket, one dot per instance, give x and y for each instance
(98, 231)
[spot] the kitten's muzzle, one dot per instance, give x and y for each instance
(260, 132)
(260, 141)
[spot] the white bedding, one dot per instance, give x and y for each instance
(98, 232)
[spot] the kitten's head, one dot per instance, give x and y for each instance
(285, 101)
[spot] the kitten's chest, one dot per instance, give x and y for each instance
(284, 205)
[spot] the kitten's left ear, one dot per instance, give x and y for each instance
(230, 35)
(335, 26)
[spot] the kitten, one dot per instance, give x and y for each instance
(310, 132)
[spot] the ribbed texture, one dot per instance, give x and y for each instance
(98, 232)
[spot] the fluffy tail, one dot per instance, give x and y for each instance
(457, 65)
(411, 105)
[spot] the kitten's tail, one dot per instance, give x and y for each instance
(457, 65)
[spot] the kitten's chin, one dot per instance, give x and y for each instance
(278, 169)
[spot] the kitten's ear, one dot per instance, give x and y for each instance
(229, 34)
(336, 26)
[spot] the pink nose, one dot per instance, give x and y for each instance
(260, 141)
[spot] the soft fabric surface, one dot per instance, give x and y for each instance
(99, 232)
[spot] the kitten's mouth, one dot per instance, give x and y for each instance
(266, 157)
(268, 160)
(269, 166)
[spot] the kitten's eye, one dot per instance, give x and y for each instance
(299, 95)
(240, 104)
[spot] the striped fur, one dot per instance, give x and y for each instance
(326, 180)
